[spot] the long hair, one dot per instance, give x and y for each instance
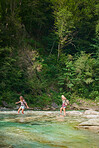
(63, 97)
(21, 98)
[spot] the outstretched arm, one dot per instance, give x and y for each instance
(17, 102)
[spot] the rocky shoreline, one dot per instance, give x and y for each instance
(88, 119)
(86, 113)
(78, 104)
(92, 120)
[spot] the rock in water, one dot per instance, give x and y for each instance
(91, 112)
(91, 122)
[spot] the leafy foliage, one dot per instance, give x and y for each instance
(49, 48)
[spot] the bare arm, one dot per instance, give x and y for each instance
(17, 102)
(26, 104)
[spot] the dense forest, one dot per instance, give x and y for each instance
(49, 48)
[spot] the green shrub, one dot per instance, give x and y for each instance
(93, 95)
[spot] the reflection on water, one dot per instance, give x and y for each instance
(41, 129)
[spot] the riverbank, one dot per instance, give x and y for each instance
(88, 119)
(75, 104)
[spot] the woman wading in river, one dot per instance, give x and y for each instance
(65, 102)
(23, 104)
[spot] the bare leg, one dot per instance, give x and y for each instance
(22, 111)
(61, 110)
(19, 110)
(64, 111)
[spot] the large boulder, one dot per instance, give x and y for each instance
(92, 124)
(46, 108)
(92, 128)
(75, 106)
(91, 112)
(91, 116)
(54, 105)
(5, 104)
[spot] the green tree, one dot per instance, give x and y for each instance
(75, 23)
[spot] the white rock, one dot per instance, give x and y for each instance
(91, 116)
(91, 112)
(93, 128)
(74, 113)
(91, 122)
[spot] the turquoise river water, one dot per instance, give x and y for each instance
(39, 129)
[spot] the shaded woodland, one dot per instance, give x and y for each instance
(49, 48)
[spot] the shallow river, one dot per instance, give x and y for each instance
(39, 129)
